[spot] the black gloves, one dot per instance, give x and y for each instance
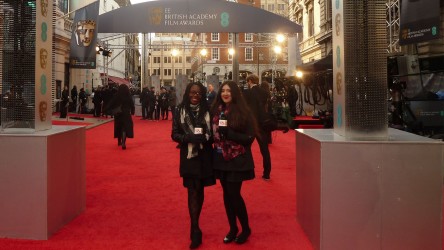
(191, 138)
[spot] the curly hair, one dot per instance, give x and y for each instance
(186, 98)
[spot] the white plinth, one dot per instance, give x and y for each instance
(42, 181)
(369, 194)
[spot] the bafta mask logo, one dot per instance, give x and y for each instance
(43, 58)
(44, 5)
(405, 33)
(156, 16)
(339, 83)
(85, 32)
(43, 107)
(338, 24)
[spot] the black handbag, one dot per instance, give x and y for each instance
(268, 122)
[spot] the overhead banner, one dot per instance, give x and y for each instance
(84, 37)
(419, 21)
(197, 16)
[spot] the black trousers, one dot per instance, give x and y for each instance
(266, 158)
(145, 111)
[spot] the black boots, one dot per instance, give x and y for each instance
(123, 140)
(119, 141)
(196, 238)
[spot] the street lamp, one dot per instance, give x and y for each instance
(203, 53)
(277, 50)
(174, 53)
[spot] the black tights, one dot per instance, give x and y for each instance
(235, 205)
(195, 202)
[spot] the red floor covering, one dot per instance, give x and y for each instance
(135, 198)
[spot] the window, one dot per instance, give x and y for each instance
(230, 57)
(157, 59)
(214, 37)
(188, 59)
(167, 59)
(230, 37)
(215, 54)
(177, 59)
(177, 72)
(63, 6)
(248, 54)
(281, 7)
(149, 72)
(167, 72)
(188, 72)
(310, 22)
(156, 72)
(270, 7)
(248, 37)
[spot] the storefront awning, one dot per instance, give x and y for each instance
(118, 80)
(322, 64)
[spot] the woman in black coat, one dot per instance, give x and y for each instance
(123, 123)
(192, 130)
(234, 130)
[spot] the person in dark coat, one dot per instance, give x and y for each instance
(64, 102)
(123, 123)
(163, 103)
(74, 95)
(151, 103)
(172, 101)
(192, 130)
(144, 99)
(97, 100)
(256, 98)
(82, 99)
(232, 158)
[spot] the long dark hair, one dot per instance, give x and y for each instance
(239, 114)
(203, 106)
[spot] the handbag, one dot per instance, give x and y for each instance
(268, 122)
(117, 110)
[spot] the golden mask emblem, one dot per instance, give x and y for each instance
(85, 32)
(339, 83)
(405, 33)
(156, 16)
(43, 107)
(43, 58)
(44, 8)
(338, 24)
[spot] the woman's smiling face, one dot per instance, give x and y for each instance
(195, 95)
(226, 94)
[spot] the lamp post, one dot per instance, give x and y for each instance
(203, 53)
(277, 49)
(174, 53)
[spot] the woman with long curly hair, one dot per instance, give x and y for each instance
(234, 130)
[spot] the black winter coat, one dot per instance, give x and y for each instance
(242, 162)
(123, 121)
(199, 167)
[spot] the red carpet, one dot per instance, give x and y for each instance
(135, 198)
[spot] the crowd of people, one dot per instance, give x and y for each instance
(155, 104)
